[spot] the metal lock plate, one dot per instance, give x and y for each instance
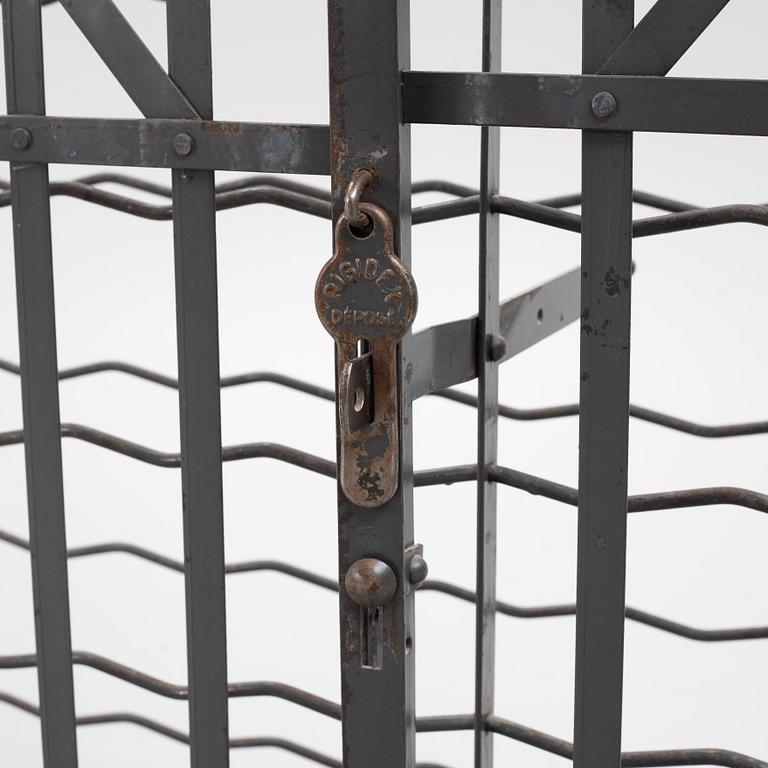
(366, 299)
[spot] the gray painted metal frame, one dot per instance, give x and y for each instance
(530, 100)
(366, 133)
(194, 227)
(489, 355)
(374, 97)
(130, 61)
(221, 146)
(606, 269)
(22, 25)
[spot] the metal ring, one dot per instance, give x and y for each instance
(361, 178)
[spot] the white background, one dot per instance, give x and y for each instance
(699, 329)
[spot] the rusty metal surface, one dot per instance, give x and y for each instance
(361, 178)
(369, 46)
(365, 294)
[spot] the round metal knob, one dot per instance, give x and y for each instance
(417, 570)
(370, 582)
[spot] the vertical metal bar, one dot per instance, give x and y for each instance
(194, 222)
(606, 259)
(22, 27)
(488, 405)
(369, 46)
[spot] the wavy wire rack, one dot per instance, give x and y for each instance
(314, 201)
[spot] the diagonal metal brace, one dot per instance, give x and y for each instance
(129, 59)
(446, 354)
(662, 37)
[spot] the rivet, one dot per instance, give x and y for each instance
(183, 144)
(417, 570)
(497, 348)
(370, 582)
(603, 104)
(21, 138)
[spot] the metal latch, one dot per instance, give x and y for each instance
(366, 299)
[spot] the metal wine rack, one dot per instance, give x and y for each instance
(374, 98)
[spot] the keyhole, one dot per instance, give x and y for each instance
(361, 399)
(371, 637)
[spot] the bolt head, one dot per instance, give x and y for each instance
(370, 582)
(603, 104)
(183, 144)
(497, 348)
(21, 139)
(417, 570)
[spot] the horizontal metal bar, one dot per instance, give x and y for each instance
(660, 104)
(442, 724)
(433, 585)
(505, 411)
(446, 354)
(225, 146)
(555, 101)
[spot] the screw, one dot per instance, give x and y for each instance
(497, 348)
(183, 144)
(370, 583)
(417, 570)
(603, 104)
(21, 138)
